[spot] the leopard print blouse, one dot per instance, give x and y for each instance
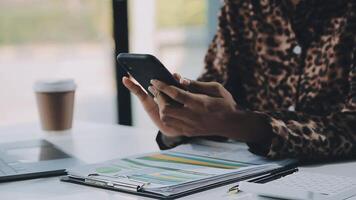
(296, 65)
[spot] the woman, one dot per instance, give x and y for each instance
(279, 75)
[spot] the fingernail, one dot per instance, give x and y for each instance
(153, 81)
(155, 100)
(152, 90)
(178, 75)
(184, 81)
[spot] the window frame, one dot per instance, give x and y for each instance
(121, 38)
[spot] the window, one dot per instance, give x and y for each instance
(177, 32)
(57, 39)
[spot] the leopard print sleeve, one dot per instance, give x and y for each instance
(315, 138)
(319, 137)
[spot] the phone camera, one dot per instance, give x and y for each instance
(128, 68)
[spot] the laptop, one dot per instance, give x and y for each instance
(33, 159)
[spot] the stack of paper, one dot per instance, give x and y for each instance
(185, 168)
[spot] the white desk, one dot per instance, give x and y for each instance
(98, 142)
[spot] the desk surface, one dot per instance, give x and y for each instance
(99, 142)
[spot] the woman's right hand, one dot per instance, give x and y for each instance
(150, 107)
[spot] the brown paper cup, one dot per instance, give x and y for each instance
(55, 102)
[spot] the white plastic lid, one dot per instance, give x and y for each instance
(59, 85)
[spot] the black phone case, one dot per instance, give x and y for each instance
(145, 67)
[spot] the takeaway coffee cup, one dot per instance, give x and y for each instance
(55, 101)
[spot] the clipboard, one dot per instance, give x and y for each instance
(130, 187)
(178, 172)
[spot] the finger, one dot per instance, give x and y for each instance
(208, 88)
(135, 89)
(180, 113)
(153, 91)
(161, 99)
(179, 126)
(173, 92)
(177, 76)
(182, 81)
(167, 109)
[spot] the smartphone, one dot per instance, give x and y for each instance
(145, 67)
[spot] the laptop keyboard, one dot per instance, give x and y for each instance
(6, 169)
(1, 172)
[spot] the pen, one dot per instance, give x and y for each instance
(236, 187)
(265, 178)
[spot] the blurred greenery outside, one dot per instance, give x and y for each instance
(68, 21)
(181, 13)
(64, 21)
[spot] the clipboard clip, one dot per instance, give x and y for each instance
(122, 182)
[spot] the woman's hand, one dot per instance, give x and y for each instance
(150, 107)
(205, 109)
(208, 109)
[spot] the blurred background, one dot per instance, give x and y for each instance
(46, 39)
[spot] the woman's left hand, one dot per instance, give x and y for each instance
(204, 111)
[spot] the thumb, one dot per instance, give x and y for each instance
(208, 88)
